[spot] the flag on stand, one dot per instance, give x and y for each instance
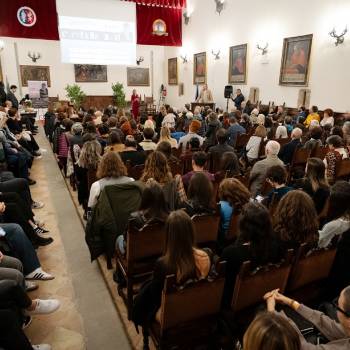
(197, 93)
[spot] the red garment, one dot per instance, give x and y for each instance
(135, 105)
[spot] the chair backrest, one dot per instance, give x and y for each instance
(91, 177)
(145, 243)
(283, 142)
(342, 169)
(300, 157)
(241, 140)
(215, 161)
(319, 152)
(262, 153)
(310, 267)
(251, 286)
(233, 229)
(176, 167)
(206, 227)
(176, 152)
(136, 171)
(198, 300)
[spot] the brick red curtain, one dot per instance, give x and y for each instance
(161, 3)
(146, 17)
(37, 19)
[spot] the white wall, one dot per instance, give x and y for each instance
(62, 74)
(250, 21)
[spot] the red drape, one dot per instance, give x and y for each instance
(43, 17)
(162, 3)
(147, 15)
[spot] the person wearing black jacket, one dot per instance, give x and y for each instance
(12, 97)
(287, 151)
(2, 93)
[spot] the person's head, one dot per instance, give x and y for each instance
(103, 129)
(255, 112)
(343, 309)
(328, 113)
(148, 133)
(339, 200)
(13, 88)
(194, 143)
(276, 175)
(90, 155)
(179, 244)
(195, 126)
(282, 131)
(165, 148)
(114, 138)
(130, 142)
(272, 148)
(77, 128)
(234, 192)
(111, 165)
(221, 136)
(261, 119)
(295, 218)
(67, 123)
(346, 128)
(280, 109)
(134, 91)
(238, 91)
(165, 133)
(334, 142)
(90, 127)
(198, 160)
(271, 331)
(197, 110)
(316, 132)
(229, 163)
(337, 130)
(153, 202)
(297, 133)
(112, 122)
(205, 87)
(315, 173)
(200, 190)
(12, 113)
(260, 131)
(233, 120)
(314, 109)
(157, 168)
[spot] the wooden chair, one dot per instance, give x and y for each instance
(233, 229)
(136, 171)
(310, 270)
(262, 153)
(300, 157)
(186, 159)
(283, 142)
(319, 152)
(251, 286)
(215, 162)
(91, 177)
(342, 170)
(188, 315)
(206, 228)
(241, 141)
(176, 152)
(176, 167)
(143, 248)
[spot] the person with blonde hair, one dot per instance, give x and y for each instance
(111, 171)
(166, 136)
(271, 331)
(254, 143)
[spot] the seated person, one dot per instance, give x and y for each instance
(254, 142)
(111, 171)
(199, 159)
(194, 128)
(114, 143)
(165, 148)
(338, 333)
(131, 153)
(147, 144)
(222, 146)
(199, 195)
(315, 138)
(234, 130)
(312, 116)
(230, 164)
(270, 331)
(233, 195)
(287, 151)
(165, 136)
(256, 242)
(153, 209)
(339, 212)
(276, 176)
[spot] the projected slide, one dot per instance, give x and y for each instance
(97, 41)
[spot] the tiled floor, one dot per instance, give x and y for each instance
(87, 318)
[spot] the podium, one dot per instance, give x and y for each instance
(211, 105)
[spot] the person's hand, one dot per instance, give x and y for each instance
(2, 207)
(1, 256)
(270, 300)
(280, 298)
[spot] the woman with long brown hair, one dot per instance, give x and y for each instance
(158, 170)
(111, 171)
(295, 219)
(254, 142)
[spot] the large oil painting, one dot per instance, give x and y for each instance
(200, 68)
(90, 73)
(35, 73)
(137, 76)
(296, 60)
(238, 65)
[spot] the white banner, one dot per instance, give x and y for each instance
(38, 93)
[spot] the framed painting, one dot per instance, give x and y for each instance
(1, 76)
(295, 60)
(172, 71)
(200, 68)
(237, 73)
(35, 73)
(90, 73)
(137, 76)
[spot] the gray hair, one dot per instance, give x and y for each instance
(297, 133)
(272, 147)
(77, 128)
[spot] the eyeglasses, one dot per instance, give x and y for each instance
(335, 304)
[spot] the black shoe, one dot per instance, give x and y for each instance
(31, 182)
(40, 241)
(27, 321)
(39, 230)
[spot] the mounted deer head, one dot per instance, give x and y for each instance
(263, 49)
(216, 54)
(219, 5)
(34, 56)
(184, 59)
(339, 38)
(141, 59)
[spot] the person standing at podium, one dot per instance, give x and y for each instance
(205, 95)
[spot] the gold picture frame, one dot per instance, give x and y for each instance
(295, 60)
(172, 71)
(200, 68)
(35, 73)
(237, 72)
(138, 76)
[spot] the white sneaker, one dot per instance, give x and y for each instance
(30, 286)
(39, 274)
(45, 307)
(42, 347)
